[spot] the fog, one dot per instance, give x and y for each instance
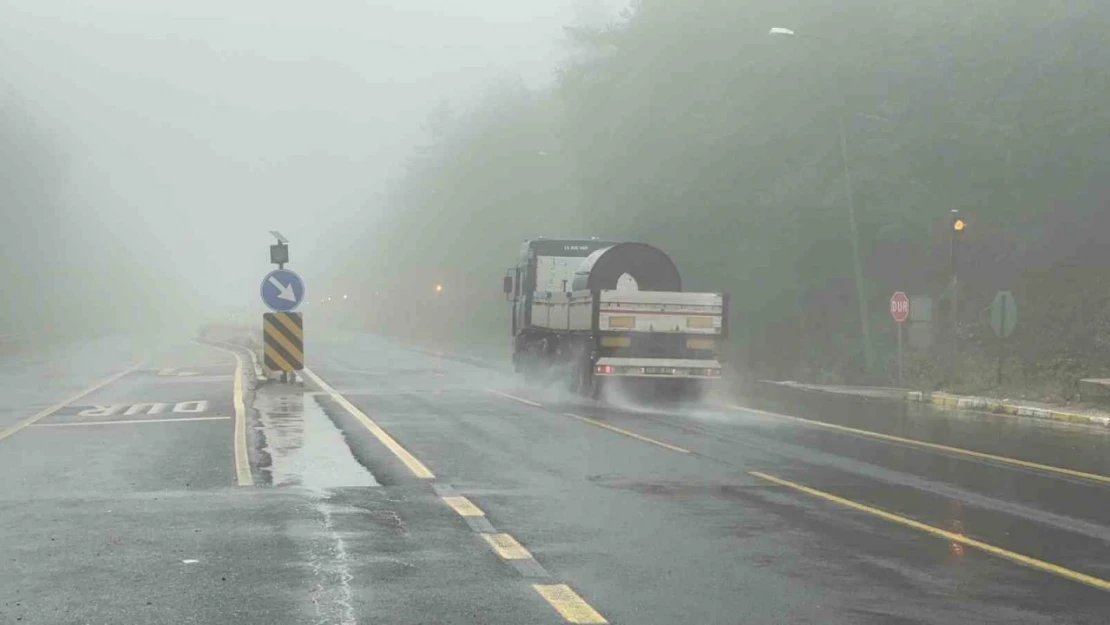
(148, 147)
(748, 156)
(152, 144)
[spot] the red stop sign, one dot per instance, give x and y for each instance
(899, 306)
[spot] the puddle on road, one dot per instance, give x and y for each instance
(306, 449)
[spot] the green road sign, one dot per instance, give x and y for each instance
(1003, 314)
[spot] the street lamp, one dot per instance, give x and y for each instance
(865, 326)
(958, 226)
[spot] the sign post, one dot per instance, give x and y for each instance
(900, 310)
(1003, 321)
(282, 291)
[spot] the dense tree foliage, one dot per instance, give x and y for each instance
(62, 273)
(30, 168)
(686, 125)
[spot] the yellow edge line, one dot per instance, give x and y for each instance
(956, 450)
(514, 398)
(1023, 560)
(242, 457)
(418, 469)
(46, 412)
(462, 505)
(568, 604)
(127, 422)
(507, 547)
(629, 434)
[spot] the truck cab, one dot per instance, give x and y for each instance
(546, 266)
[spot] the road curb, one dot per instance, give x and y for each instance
(998, 406)
(260, 376)
(949, 401)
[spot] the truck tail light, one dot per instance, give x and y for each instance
(604, 368)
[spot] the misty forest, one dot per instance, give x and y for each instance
(688, 126)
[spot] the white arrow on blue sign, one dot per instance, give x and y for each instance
(282, 290)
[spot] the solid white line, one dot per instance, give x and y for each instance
(127, 422)
(46, 412)
(515, 398)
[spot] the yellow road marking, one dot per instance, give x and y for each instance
(463, 506)
(128, 421)
(287, 322)
(1023, 560)
(418, 469)
(568, 604)
(242, 455)
(280, 339)
(955, 450)
(629, 434)
(507, 547)
(515, 398)
(46, 412)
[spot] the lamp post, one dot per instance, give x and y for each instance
(861, 297)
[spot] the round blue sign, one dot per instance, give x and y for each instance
(282, 290)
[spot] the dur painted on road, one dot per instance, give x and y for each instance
(46, 412)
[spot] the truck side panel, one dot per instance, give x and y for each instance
(615, 311)
(665, 312)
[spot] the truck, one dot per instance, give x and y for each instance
(592, 314)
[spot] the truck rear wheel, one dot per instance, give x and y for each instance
(595, 387)
(583, 378)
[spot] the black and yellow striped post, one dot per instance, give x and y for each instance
(283, 337)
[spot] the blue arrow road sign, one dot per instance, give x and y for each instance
(282, 290)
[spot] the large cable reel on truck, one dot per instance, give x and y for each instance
(649, 268)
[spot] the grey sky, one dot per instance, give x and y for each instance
(193, 128)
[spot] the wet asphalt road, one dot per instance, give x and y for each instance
(418, 489)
